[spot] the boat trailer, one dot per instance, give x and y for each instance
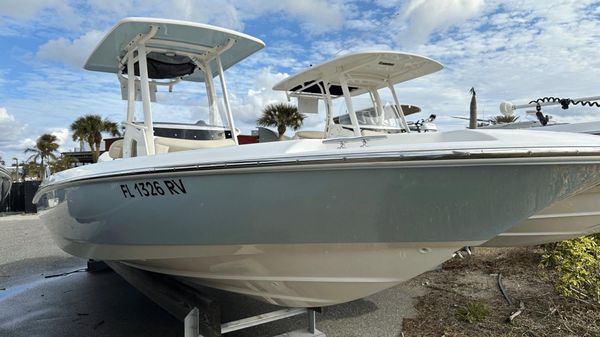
(201, 313)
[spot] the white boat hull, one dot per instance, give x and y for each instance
(573, 217)
(5, 184)
(297, 275)
(333, 224)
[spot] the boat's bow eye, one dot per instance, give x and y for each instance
(166, 66)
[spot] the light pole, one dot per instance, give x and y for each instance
(16, 168)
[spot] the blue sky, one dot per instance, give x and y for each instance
(507, 50)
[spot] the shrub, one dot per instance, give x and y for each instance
(473, 312)
(577, 262)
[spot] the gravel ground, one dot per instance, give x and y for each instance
(27, 251)
(462, 283)
(103, 304)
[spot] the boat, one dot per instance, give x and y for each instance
(576, 216)
(5, 183)
(299, 223)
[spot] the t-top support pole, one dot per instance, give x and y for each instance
(400, 112)
(348, 99)
(145, 88)
(130, 87)
(226, 100)
(210, 92)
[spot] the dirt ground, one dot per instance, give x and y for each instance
(472, 282)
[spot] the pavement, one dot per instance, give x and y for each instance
(36, 302)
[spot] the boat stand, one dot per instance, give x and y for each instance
(200, 313)
(192, 323)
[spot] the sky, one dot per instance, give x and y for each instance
(513, 50)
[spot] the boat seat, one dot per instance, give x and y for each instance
(164, 144)
(115, 150)
(309, 135)
(372, 133)
(336, 130)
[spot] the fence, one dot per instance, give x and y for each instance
(20, 197)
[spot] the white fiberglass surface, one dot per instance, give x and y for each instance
(111, 47)
(477, 140)
(396, 67)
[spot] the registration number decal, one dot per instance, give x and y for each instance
(153, 188)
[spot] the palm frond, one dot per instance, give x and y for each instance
(502, 119)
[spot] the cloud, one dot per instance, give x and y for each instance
(426, 16)
(28, 15)
(70, 52)
(11, 131)
(249, 107)
(26, 9)
(313, 16)
(63, 138)
(316, 16)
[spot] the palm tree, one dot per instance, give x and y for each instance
(89, 129)
(63, 163)
(44, 149)
(282, 116)
(500, 119)
(473, 110)
(32, 170)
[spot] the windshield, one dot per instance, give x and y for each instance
(188, 106)
(370, 118)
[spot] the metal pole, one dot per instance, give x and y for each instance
(210, 93)
(130, 87)
(145, 88)
(226, 100)
(127, 143)
(191, 324)
(400, 112)
(348, 99)
(328, 110)
(312, 320)
(378, 106)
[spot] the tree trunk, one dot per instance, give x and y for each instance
(93, 150)
(42, 169)
(281, 130)
(96, 153)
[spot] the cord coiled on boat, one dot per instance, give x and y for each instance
(565, 102)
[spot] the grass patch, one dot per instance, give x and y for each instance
(473, 312)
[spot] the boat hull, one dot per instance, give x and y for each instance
(573, 217)
(303, 236)
(5, 184)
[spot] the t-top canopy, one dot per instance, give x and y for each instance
(371, 69)
(172, 35)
